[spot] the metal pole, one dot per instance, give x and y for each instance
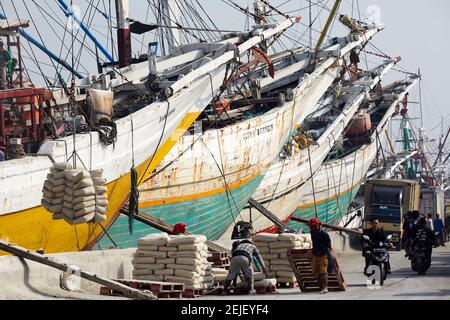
(68, 12)
(45, 50)
(123, 32)
(420, 99)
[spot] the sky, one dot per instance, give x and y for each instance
(415, 30)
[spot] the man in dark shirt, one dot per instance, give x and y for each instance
(321, 248)
(376, 234)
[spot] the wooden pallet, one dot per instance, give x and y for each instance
(159, 289)
(301, 263)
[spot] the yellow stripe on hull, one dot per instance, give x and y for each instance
(34, 228)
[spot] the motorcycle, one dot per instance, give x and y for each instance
(378, 255)
(420, 263)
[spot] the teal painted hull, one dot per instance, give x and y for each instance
(211, 216)
(330, 211)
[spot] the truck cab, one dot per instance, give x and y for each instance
(388, 200)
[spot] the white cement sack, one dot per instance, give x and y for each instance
(144, 260)
(56, 201)
(81, 205)
(263, 250)
(189, 261)
(142, 268)
(150, 278)
(192, 247)
(96, 173)
(84, 191)
(165, 260)
(153, 254)
(81, 199)
(100, 189)
(99, 217)
(219, 271)
(279, 250)
(48, 193)
(289, 237)
(59, 188)
(192, 268)
(270, 256)
(280, 267)
(83, 183)
(285, 244)
(168, 249)
(207, 279)
(99, 181)
(149, 266)
(260, 244)
(280, 261)
(55, 182)
(265, 283)
(283, 255)
(220, 277)
(185, 254)
(48, 185)
(147, 248)
(76, 175)
(285, 274)
(154, 239)
(177, 240)
(61, 166)
(56, 208)
(265, 237)
(186, 274)
(165, 272)
(84, 219)
(84, 211)
(58, 175)
(100, 209)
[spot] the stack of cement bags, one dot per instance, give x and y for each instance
(179, 259)
(78, 196)
(273, 249)
(53, 190)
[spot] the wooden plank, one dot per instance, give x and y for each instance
(49, 261)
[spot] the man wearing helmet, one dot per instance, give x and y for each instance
(321, 248)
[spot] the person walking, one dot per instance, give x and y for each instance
(438, 225)
(321, 242)
(429, 219)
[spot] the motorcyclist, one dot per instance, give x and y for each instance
(421, 232)
(408, 230)
(375, 234)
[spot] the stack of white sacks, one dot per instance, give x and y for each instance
(273, 249)
(75, 195)
(179, 259)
